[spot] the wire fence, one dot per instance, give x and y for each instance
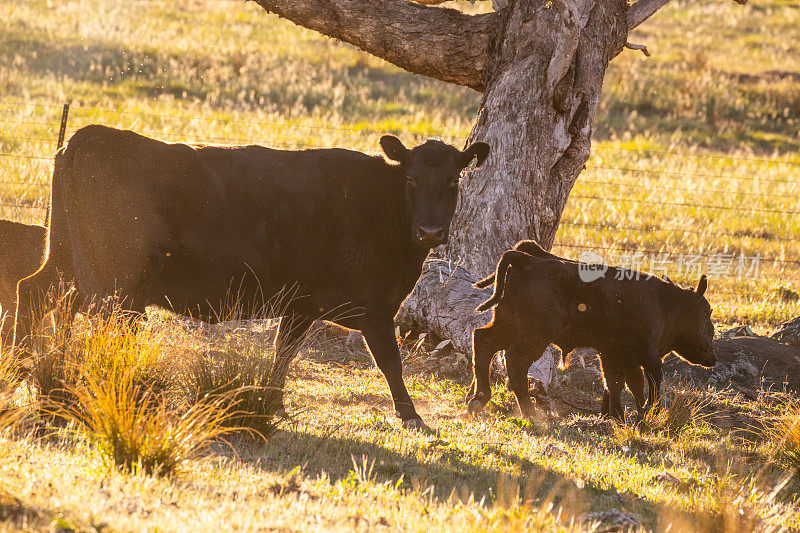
(744, 199)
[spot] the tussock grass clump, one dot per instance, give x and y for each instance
(109, 343)
(675, 416)
(667, 419)
(137, 429)
(784, 434)
(233, 377)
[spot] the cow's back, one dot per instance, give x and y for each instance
(179, 225)
(607, 313)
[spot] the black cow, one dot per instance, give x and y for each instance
(178, 226)
(631, 319)
(22, 248)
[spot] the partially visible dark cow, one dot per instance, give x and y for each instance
(633, 320)
(22, 248)
(179, 226)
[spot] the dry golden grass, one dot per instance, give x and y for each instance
(695, 153)
(11, 413)
(135, 429)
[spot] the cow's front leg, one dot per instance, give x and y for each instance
(379, 333)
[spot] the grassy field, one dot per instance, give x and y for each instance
(695, 154)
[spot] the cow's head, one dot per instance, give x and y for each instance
(432, 171)
(695, 329)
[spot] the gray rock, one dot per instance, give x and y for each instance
(543, 371)
(738, 331)
(745, 361)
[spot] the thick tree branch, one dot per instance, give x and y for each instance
(437, 42)
(643, 10)
(641, 47)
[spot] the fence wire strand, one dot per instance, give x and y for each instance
(199, 139)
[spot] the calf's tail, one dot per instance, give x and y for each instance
(485, 282)
(529, 247)
(508, 259)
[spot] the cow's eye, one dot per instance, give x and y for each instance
(454, 182)
(411, 180)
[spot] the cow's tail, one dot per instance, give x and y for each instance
(508, 259)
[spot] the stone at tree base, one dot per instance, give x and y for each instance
(789, 332)
(738, 331)
(749, 362)
(545, 369)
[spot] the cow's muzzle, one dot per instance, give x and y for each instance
(708, 360)
(431, 237)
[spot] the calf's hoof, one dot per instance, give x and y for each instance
(418, 425)
(474, 407)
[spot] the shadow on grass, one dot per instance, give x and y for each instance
(445, 473)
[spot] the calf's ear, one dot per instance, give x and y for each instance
(702, 286)
(479, 150)
(393, 148)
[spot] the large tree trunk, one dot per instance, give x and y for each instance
(540, 65)
(543, 82)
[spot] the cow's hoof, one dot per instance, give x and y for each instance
(418, 425)
(475, 407)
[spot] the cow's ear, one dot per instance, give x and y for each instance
(394, 148)
(702, 286)
(479, 150)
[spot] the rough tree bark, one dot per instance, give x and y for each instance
(540, 65)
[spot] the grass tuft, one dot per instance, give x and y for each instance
(10, 378)
(672, 418)
(784, 434)
(109, 342)
(137, 429)
(235, 377)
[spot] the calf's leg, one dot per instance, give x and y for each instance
(654, 375)
(484, 347)
(634, 377)
(379, 333)
(615, 382)
(519, 358)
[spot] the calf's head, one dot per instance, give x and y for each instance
(695, 329)
(432, 171)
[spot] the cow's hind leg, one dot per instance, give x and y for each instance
(484, 347)
(654, 375)
(291, 333)
(39, 294)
